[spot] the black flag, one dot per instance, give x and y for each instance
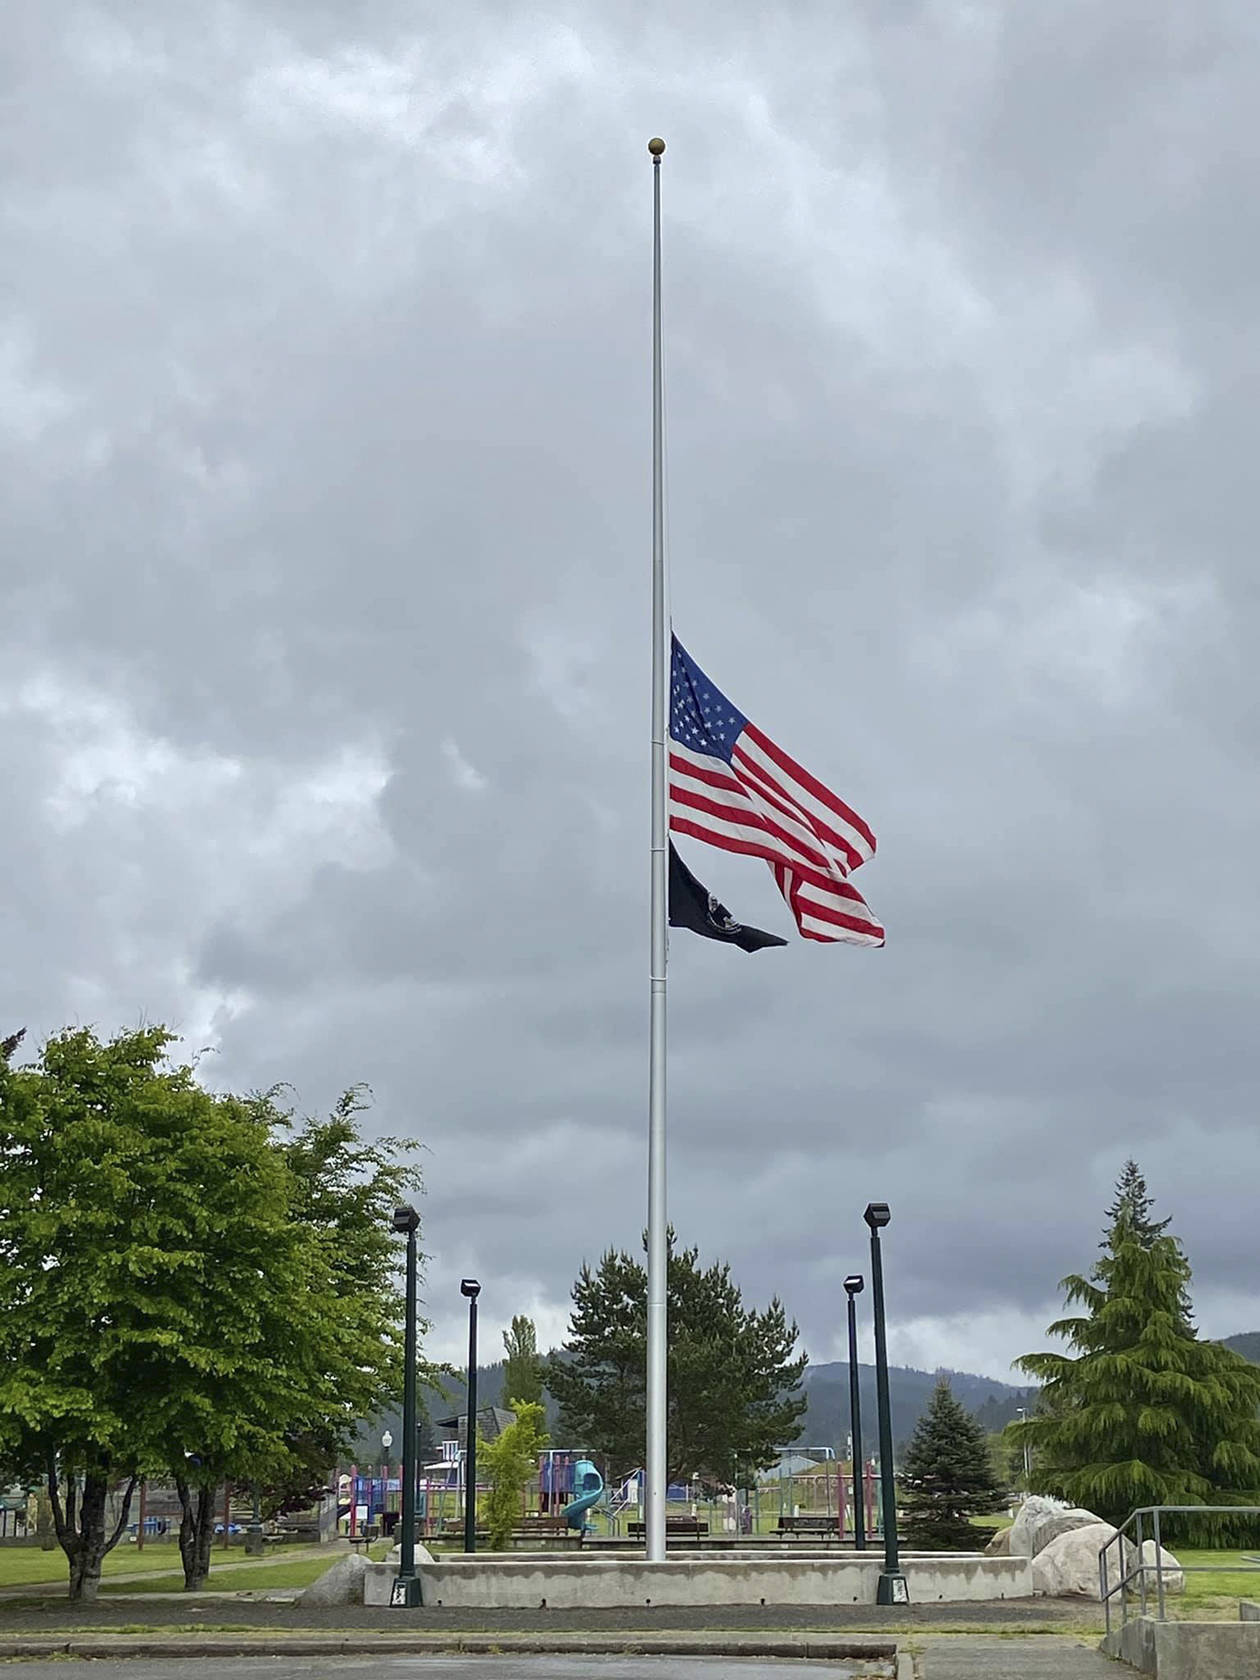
(694, 906)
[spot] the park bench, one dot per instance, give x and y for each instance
(547, 1530)
(815, 1523)
(683, 1528)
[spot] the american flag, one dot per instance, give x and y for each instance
(730, 785)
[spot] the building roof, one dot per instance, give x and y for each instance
(491, 1422)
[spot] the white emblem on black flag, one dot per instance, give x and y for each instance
(693, 906)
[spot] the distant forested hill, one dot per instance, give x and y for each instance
(826, 1423)
(827, 1388)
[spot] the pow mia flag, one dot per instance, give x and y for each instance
(693, 906)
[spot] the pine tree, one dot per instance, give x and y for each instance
(734, 1372)
(948, 1477)
(1140, 1411)
(1132, 1205)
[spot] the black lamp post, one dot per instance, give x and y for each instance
(853, 1287)
(893, 1587)
(407, 1588)
(471, 1288)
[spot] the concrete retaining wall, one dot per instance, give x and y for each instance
(560, 1583)
(1188, 1650)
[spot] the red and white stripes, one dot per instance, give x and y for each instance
(764, 804)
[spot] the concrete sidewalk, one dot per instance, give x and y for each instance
(990, 1657)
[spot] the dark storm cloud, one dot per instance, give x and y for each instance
(323, 674)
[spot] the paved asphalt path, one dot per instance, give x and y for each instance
(960, 1657)
(454, 1668)
(49, 1615)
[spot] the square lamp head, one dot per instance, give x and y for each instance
(405, 1221)
(877, 1215)
(469, 1287)
(854, 1285)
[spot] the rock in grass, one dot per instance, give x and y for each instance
(1031, 1513)
(423, 1555)
(342, 1583)
(1061, 1522)
(1068, 1566)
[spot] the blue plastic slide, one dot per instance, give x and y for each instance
(588, 1488)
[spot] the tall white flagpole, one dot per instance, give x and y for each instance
(654, 1513)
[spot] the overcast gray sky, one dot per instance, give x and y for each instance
(324, 420)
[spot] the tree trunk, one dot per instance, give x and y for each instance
(89, 1555)
(45, 1528)
(81, 1525)
(196, 1533)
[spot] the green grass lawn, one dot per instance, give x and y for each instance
(1213, 1596)
(22, 1566)
(261, 1573)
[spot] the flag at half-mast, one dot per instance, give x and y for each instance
(730, 785)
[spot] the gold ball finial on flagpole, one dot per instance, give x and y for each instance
(656, 147)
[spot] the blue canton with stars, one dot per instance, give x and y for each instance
(701, 718)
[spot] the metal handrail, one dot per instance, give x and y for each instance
(1141, 1570)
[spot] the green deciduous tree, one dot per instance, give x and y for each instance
(329, 1332)
(508, 1463)
(134, 1210)
(522, 1368)
(178, 1293)
(734, 1375)
(948, 1477)
(345, 1189)
(1140, 1411)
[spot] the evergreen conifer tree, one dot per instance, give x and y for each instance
(734, 1373)
(1133, 1204)
(947, 1477)
(1130, 1214)
(1140, 1411)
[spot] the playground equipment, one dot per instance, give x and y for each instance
(812, 1483)
(588, 1485)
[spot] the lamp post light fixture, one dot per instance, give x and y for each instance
(470, 1289)
(853, 1287)
(406, 1590)
(1022, 1413)
(893, 1587)
(387, 1441)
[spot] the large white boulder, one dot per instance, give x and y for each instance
(1068, 1566)
(1174, 1577)
(342, 1583)
(423, 1554)
(1061, 1522)
(1031, 1513)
